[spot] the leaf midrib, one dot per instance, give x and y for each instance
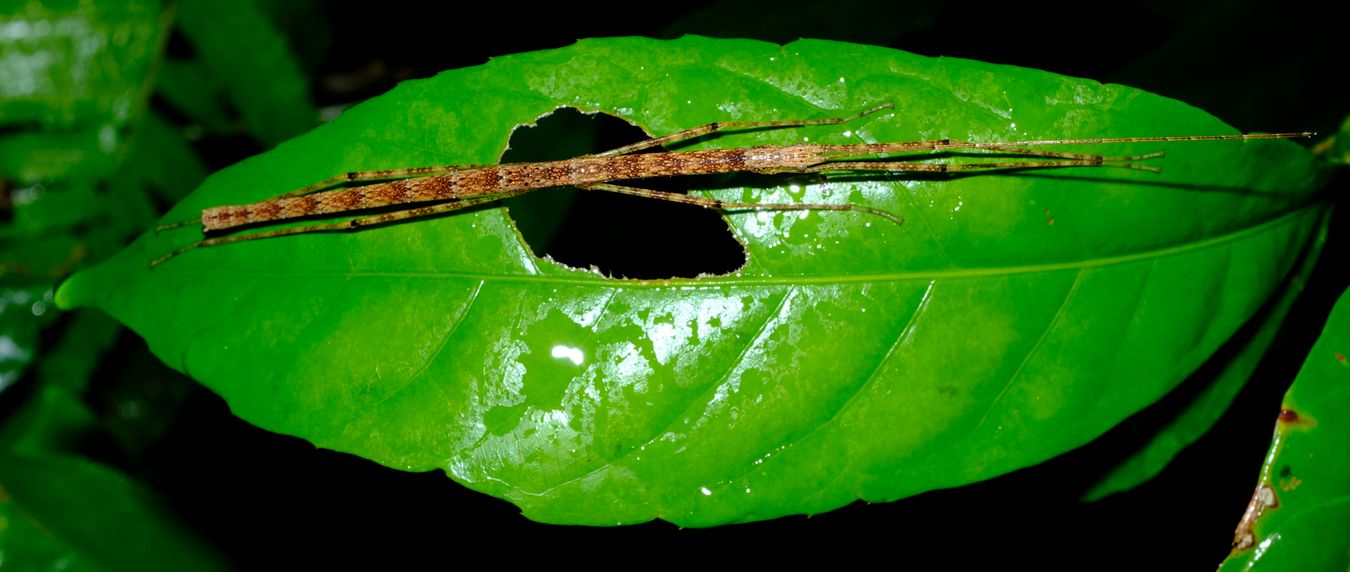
(735, 280)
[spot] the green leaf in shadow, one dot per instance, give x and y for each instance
(188, 87)
(264, 81)
(19, 328)
(73, 77)
(1012, 317)
(91, 515)
(60, 509)
(24, 540)
(1241, 355)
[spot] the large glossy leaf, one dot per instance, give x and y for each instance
(1299, 517)
(1012, 317)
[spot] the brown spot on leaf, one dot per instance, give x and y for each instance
(1050, 221)
(1340, 357)
(1289, 416)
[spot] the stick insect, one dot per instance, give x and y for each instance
(441, 189)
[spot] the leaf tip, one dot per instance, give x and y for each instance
(69, 295)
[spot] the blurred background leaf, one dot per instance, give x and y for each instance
(263, 81)
(84, 164)
(73, 80)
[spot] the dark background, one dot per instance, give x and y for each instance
(269, 500)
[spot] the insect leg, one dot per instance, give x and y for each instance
(911, 167)
(350, 177)
(711, 203)
(725, 125)
(378, 175)
(348, 225)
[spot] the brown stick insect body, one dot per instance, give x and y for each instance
(447, 188)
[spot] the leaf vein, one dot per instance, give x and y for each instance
(586, 279)
(861, 388)
(726, 375)
(1050, 327)
(440, 348)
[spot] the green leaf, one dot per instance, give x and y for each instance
(36, 156)
(29, 270)
(73, 76)
(54, 419)
(90, 515)
(188, 87)
(1299, 516)
(71, 362)
(68, 63)
(60, 511)
(1223, 379)
(163, 160)
(23, 306)
(307, 24)
(39, 209)
(24, 541)
(1339, 148)
(1012, 317)
(264, 81)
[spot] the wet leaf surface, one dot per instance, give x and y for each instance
(1011, 318)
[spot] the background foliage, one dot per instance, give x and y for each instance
(182, 98)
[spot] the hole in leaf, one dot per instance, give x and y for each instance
(622, 236)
